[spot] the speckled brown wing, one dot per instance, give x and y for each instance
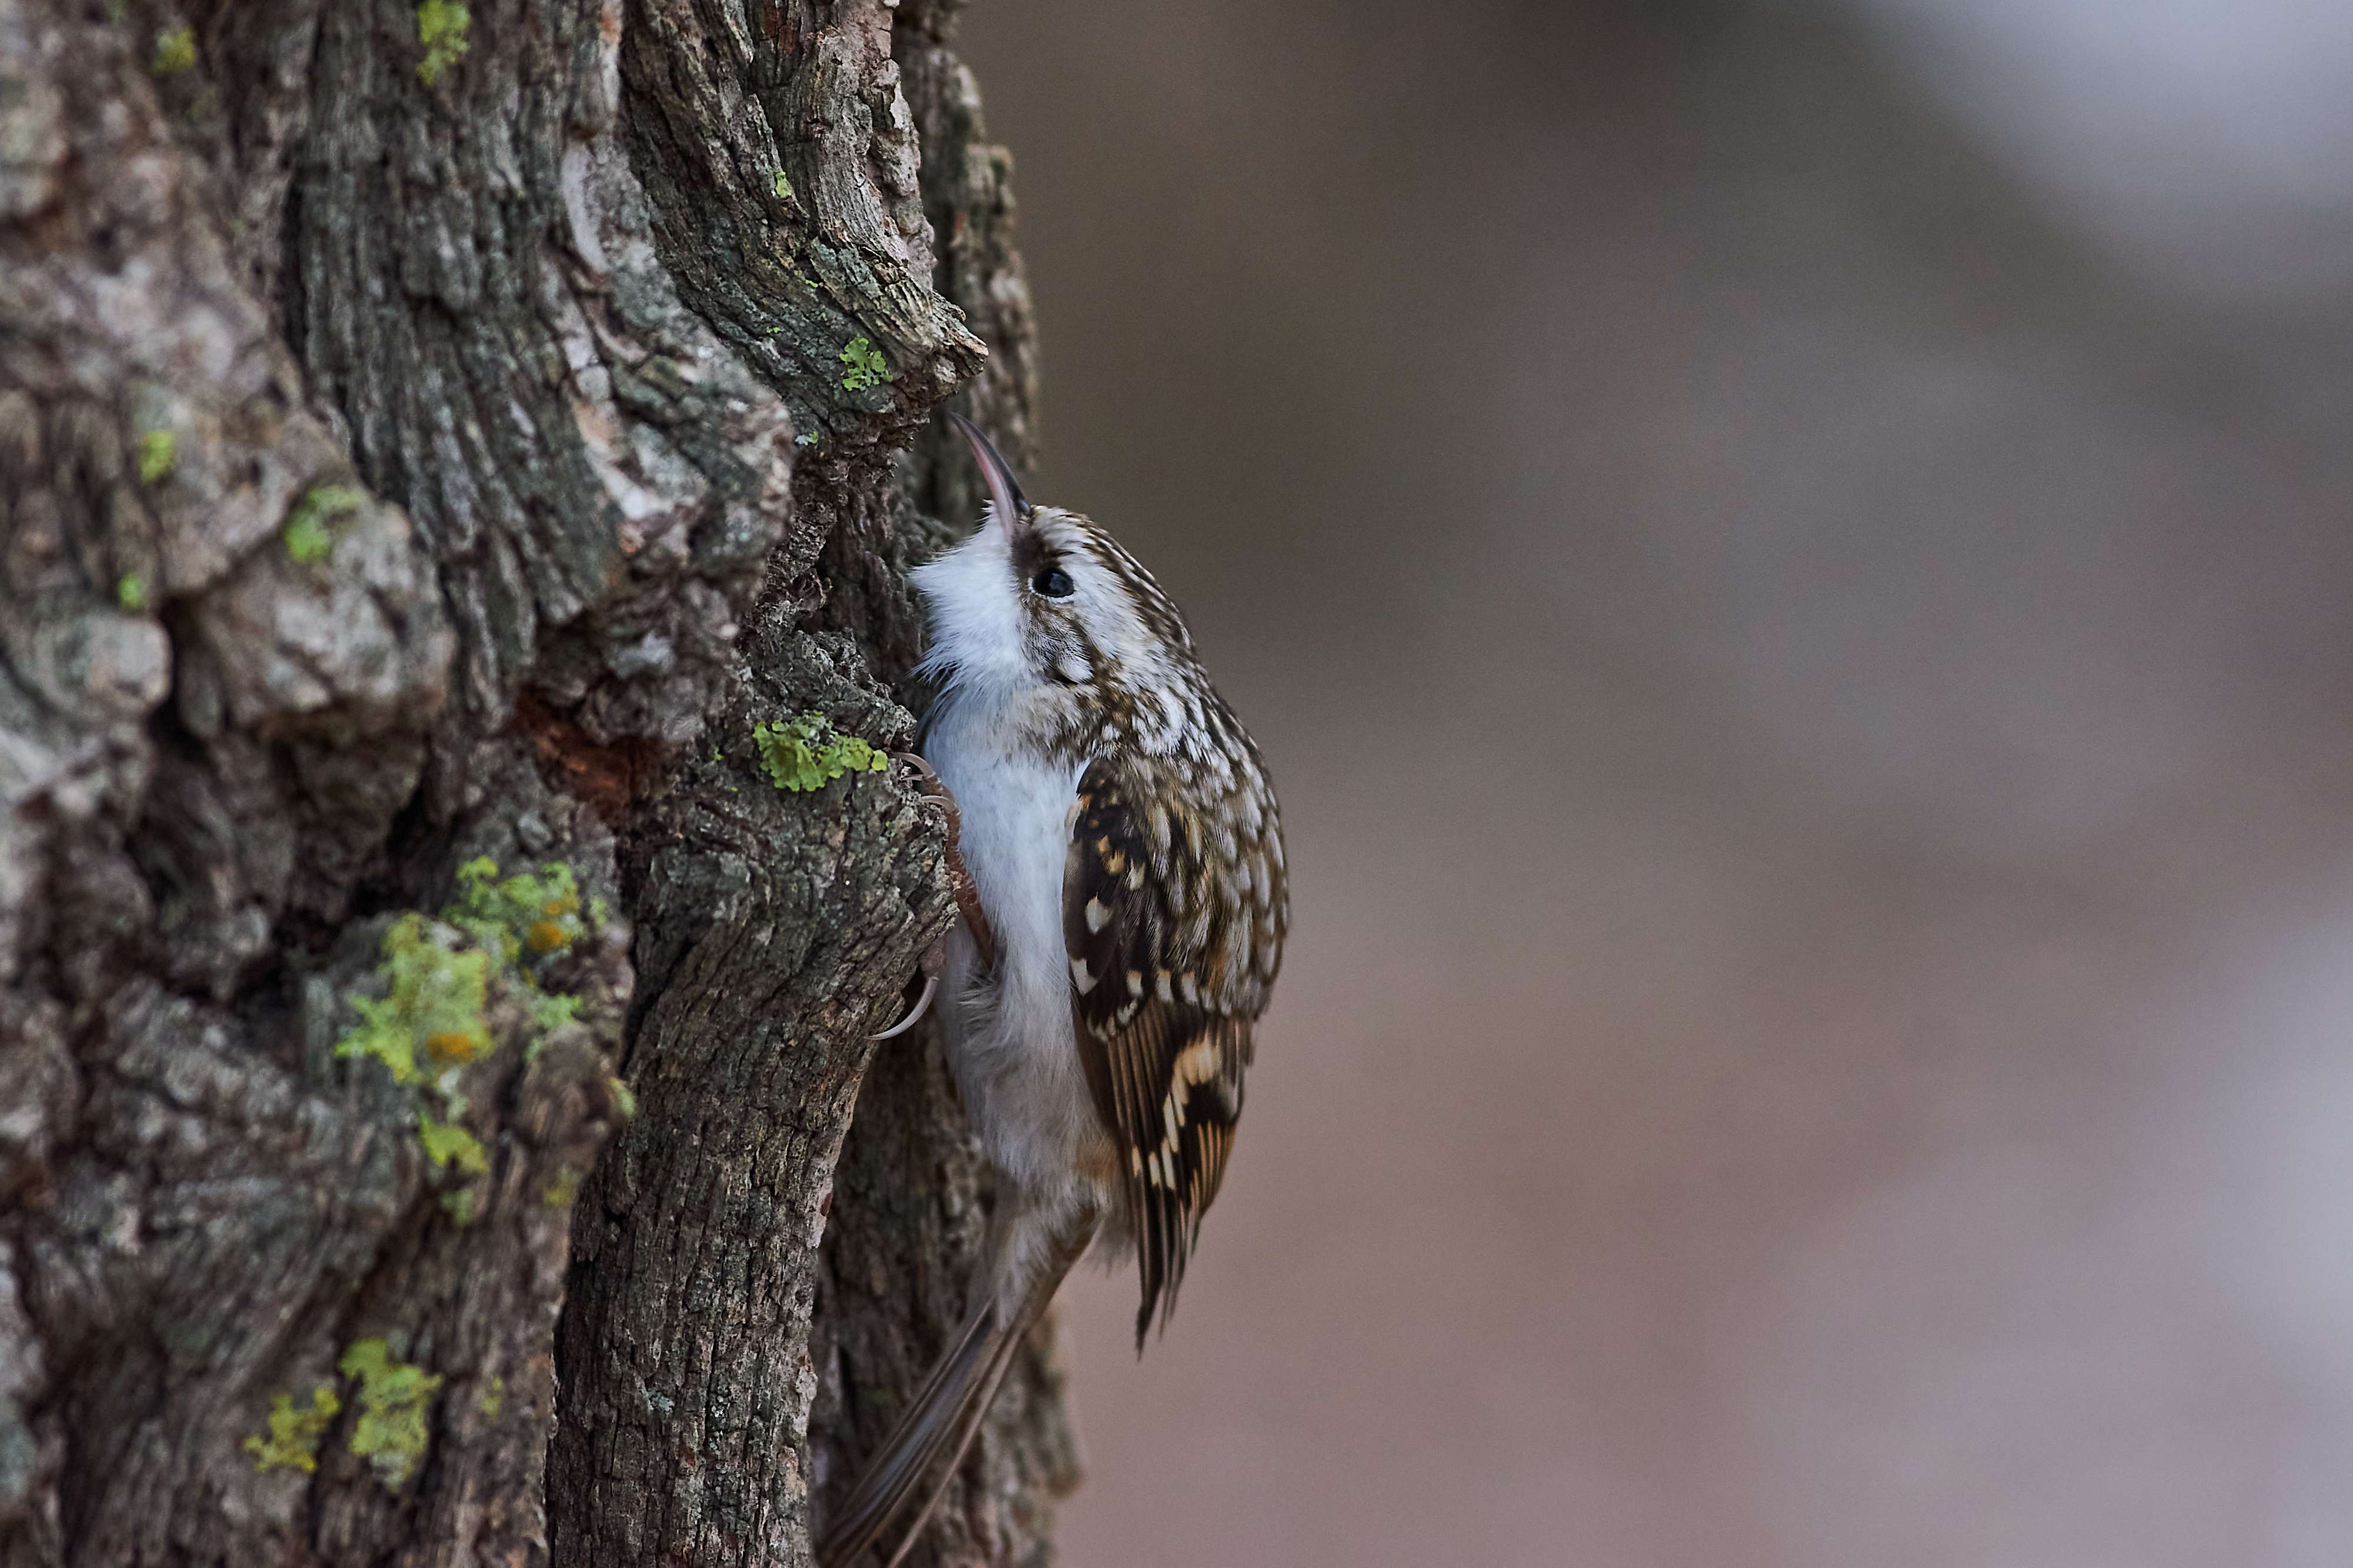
(1173, 911)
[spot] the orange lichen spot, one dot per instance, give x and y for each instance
(453, 1046)
(545, 936)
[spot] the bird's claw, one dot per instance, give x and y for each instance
(915, 1015)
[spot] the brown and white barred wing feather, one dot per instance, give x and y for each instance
(1174, 912)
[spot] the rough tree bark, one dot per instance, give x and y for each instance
(432, 438)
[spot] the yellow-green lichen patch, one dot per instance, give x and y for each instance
(449, 1146)
(433, 1020)
(864, 366)
(394, 1400)
(807, 753)
(524, 921)
(175, 51)
(442, 27)
(292, 1442)
(551, 1011)
(559, 1193)
(530, 915)
(440, 989)
(309, 538)
(131, 593)
(308, 542)
(493, 1398)
(158, 450)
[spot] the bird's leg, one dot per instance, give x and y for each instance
(960, 884)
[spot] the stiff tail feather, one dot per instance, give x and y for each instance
(905, 1481)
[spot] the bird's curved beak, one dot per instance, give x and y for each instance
(1004, 492)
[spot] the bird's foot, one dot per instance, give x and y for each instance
(960, 884)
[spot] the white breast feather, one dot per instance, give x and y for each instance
(1010, 1044)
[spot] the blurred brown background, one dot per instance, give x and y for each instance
(1791, 563)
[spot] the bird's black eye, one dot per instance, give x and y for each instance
(1053, 583)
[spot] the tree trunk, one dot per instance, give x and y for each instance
(432, 439)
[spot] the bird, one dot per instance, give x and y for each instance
(1118, 855)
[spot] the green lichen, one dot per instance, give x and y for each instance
(559, 1193)
(131, 593)
(292, 1442)
(440, 990)
(525, 918)
(524, 921)
(494, 1397)
(867, 367)
(807, 752)
(449, 1146)
(551, 1011)
(309, 537)
(783, 186)
(441, 27)
(158, 450)
(175, 51)
(394, 1398)
(433, 1019)
(308, 542)
(624, 1099)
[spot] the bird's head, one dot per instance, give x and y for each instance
(1041, 601)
